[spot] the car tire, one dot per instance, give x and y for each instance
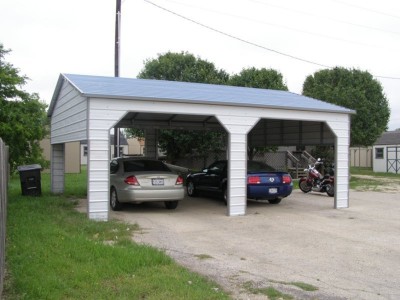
(171, 204)
(275, 201)
(191, 189)
(114, 203)
(225, 195)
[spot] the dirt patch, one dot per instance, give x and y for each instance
(379, 184)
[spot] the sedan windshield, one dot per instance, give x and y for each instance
(144, 165)
(257, 166)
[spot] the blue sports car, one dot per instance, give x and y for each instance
(263, 182)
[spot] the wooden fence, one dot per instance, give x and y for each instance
(361, 157)
(4, 173)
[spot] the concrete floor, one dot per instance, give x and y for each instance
(351, 253)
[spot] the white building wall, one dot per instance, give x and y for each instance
(57, 168)
(100, 121)
(386, 163)
(341, 128)
(379, 164)
(68, 122)
(238, 128)
(135, 147)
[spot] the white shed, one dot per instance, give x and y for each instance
(386, 153)
(87, 107)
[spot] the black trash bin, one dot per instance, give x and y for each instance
(30, 180)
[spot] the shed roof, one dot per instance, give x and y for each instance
(161, 90)
(389, 138)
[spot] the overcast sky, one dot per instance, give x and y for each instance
(296, 38)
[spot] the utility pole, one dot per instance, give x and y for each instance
(116, 68)
(117, 38)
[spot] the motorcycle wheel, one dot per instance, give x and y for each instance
(304, 187)
(330, 190)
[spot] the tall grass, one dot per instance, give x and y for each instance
(54, 252)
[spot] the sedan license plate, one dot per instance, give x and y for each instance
(157, 181)
(273, 190)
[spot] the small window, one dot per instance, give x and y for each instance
(379, 153)
(84, 150)
(114, 166)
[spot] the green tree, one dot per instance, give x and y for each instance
(354, 89)
(259, 78)
(23, 121)
(184, 67)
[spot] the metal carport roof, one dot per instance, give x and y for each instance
(161, 90)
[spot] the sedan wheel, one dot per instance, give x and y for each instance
(275, 201)
(191, 189)
(114, 203)
(225, 195)
(171, 204)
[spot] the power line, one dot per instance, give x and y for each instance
(281, 26)
(252, 43)
(367, 9)
(325, 17)
(237, 38)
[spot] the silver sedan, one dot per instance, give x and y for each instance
(137, 179)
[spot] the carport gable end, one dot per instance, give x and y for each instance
(87, 107)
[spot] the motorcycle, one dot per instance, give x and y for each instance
(316, 182)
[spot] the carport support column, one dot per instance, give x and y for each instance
(57, 168)
(342, 161)
(150, 140)
(100, 121)
(238, 128)
(98, 167)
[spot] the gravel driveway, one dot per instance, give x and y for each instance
(349, 253)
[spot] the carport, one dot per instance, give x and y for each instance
(88, 107)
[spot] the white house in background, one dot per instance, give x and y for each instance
(386, 157)
(135, 146)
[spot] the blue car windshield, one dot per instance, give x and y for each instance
(145, 165)
(257, 166)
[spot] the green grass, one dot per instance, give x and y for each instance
(54, 252)
(273, 293)
(370, 172)
(203, 256)
(375, 182)
(270, 292)
(302, 285)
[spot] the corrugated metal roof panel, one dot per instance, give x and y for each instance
(142, 89)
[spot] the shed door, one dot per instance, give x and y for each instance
(393, 159)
